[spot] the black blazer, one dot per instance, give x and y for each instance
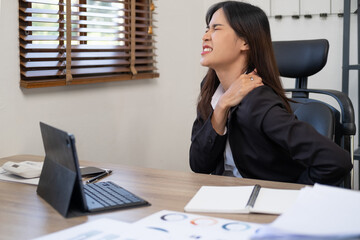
(268, 143)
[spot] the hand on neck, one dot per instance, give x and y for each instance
(228, 76)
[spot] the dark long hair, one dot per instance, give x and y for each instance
(251, 24)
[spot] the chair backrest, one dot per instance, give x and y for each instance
(304, 58)
(301, 59)
(318, 115)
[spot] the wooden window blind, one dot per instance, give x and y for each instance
(106, 40)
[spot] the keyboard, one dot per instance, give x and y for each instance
(108, 195)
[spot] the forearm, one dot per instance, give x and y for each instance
(207, 147)
(219, 118)
(325, 161)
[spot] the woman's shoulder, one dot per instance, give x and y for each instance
(263, 96)
(255, 106)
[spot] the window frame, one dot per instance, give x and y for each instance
(134, 58)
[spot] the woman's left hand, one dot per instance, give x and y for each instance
(232, 97)
(241, 87)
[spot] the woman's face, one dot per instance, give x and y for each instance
(221, 46)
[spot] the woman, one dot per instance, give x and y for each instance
(245, 126)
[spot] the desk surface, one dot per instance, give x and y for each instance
(24, 215)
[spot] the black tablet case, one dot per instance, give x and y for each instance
(60, 179)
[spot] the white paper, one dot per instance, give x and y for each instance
(8, 177)
(275, 201)
(5, 176)
(320, 211)
(223, 199)
(184, 226)
(106, 229)
(163, 225)
(233, 199)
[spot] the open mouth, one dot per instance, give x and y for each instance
(206, 49)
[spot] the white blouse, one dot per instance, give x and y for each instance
(229, 165)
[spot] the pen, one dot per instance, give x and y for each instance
(98, 177)
(253, 196)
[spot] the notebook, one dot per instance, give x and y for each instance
(242, 199)
(61, 184)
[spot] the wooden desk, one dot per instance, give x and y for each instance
(24, 215)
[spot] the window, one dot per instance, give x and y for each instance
(106, 40)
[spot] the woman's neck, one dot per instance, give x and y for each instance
(229, 75)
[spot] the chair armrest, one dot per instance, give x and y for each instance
(347, 109)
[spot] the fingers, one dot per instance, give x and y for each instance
(241, 87)
(254, 72)
(254, 77)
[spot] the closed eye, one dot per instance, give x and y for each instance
(216, 26)
(213, 27)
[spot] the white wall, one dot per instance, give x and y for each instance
(143, 122)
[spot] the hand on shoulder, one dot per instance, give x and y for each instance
(240, 88)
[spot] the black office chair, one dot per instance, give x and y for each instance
(299, 60)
